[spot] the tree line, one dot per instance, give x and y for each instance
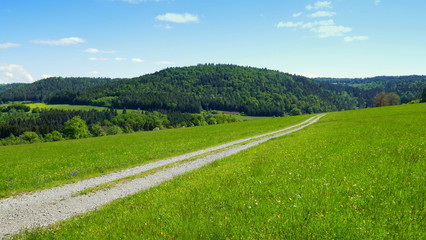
(42, 89)
(46, 125)
(406, 87)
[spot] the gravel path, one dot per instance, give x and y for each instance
(51, 205)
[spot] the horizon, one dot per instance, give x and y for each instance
(131, 38)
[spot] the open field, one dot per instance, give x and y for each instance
(43, 165)
(353, 175)
(64, 106)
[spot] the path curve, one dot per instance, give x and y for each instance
(55, 204)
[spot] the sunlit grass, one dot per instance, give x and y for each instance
(353, 175)
(42, 165)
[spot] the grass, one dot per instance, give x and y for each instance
(43, 165)
(64, 106)
(353, 175)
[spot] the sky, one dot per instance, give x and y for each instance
(130, 38)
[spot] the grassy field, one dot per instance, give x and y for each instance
(64, 106)
(353, 175)
(42, 165)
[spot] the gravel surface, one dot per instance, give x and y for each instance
(51, 205)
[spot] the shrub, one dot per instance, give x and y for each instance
(114, 130)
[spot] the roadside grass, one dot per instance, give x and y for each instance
(43, 165)
(353, 175)
(250, 118)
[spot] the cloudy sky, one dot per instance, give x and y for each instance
(129, 38)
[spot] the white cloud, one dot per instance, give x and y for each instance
(306, 25)
(331, 31)
(165, 63)
(177, 18)
(322, 14)
(60, 42)
(356, 38)
(310, 25)
(13, 73)
(43, 76)
(165, 26)
(297, 14)
(95, 50)
(289, 24)
(319, 5)
(9, 45)
(120, 59)
(137, 60)
(97, 59)
(377, 1)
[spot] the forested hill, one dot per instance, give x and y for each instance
(42, 89)
(253, 91)
(4, 87)
(407, 87)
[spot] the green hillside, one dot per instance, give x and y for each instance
(250, 90)
(407, 87)
(5, 87)
(40, 90)
(353, 175)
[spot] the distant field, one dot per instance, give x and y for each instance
(58, 106)
(65, 106)
(42, 165)
(353, 175)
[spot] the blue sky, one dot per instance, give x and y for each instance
(129, 38)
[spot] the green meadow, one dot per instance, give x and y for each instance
(64, 106)
(41, 165)
(353, 175)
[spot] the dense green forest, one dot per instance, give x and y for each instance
(250, 90)
(4, 87)
(19, 124)
(407, 87)
(42, 89)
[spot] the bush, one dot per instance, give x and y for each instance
(295, 111)
(96, 130)
(53, 137)
(114, 130)
(17, 107)
(31, 137)
(76, 128)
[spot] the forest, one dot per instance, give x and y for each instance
(19, 124)
(406, 87)
(42, 89)
(252, 91)
(248, 90)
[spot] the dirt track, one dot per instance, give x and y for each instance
(51, 205)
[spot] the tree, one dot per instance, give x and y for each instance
(386, 99)
(96, 130)
(31, 137)
(53, 137)
(76, 128)
(380, 100)
(295, 111)
(393, 99)
(423, 99)
(114, 130)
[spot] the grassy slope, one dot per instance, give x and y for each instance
(42, 165)
(354, 175)
(65, 106)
